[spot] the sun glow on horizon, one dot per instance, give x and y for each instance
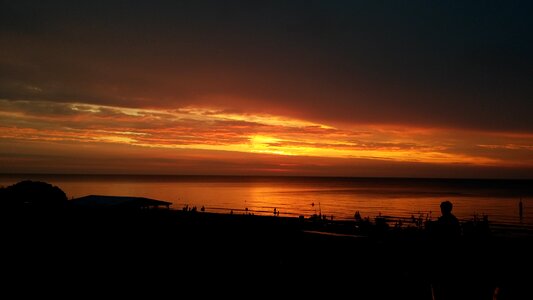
(212, 129)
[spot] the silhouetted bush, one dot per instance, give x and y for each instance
(32, 194)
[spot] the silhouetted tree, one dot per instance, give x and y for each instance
(32, 194)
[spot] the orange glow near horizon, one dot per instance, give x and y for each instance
(211, 129)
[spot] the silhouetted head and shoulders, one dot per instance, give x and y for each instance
(446, 210)
(448, 224)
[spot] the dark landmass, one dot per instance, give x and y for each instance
(237, 254)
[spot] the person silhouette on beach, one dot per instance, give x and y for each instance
(448, 224)
(446, 284)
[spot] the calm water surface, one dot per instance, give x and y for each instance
(338, 197)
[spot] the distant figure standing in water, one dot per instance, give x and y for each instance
(448, 224)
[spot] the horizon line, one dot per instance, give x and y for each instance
(260, 176)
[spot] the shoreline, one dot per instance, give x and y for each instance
(501, 229)
(133, 244)
(340, 199)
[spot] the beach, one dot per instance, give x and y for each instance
(144, 242)
(179, 248)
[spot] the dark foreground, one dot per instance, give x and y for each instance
(101, 252)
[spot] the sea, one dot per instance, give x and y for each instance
(331, 197)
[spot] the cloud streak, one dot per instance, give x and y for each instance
(461, 65)
(270, 86)
(196, 128)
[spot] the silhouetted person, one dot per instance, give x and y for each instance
(447, 283)
(448, 225)
(357, 216)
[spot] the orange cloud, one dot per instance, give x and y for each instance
(211, 129)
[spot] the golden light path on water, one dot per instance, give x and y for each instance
(337, 197)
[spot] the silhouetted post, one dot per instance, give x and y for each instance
(520, 210)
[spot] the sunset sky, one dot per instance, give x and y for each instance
(321, 88)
